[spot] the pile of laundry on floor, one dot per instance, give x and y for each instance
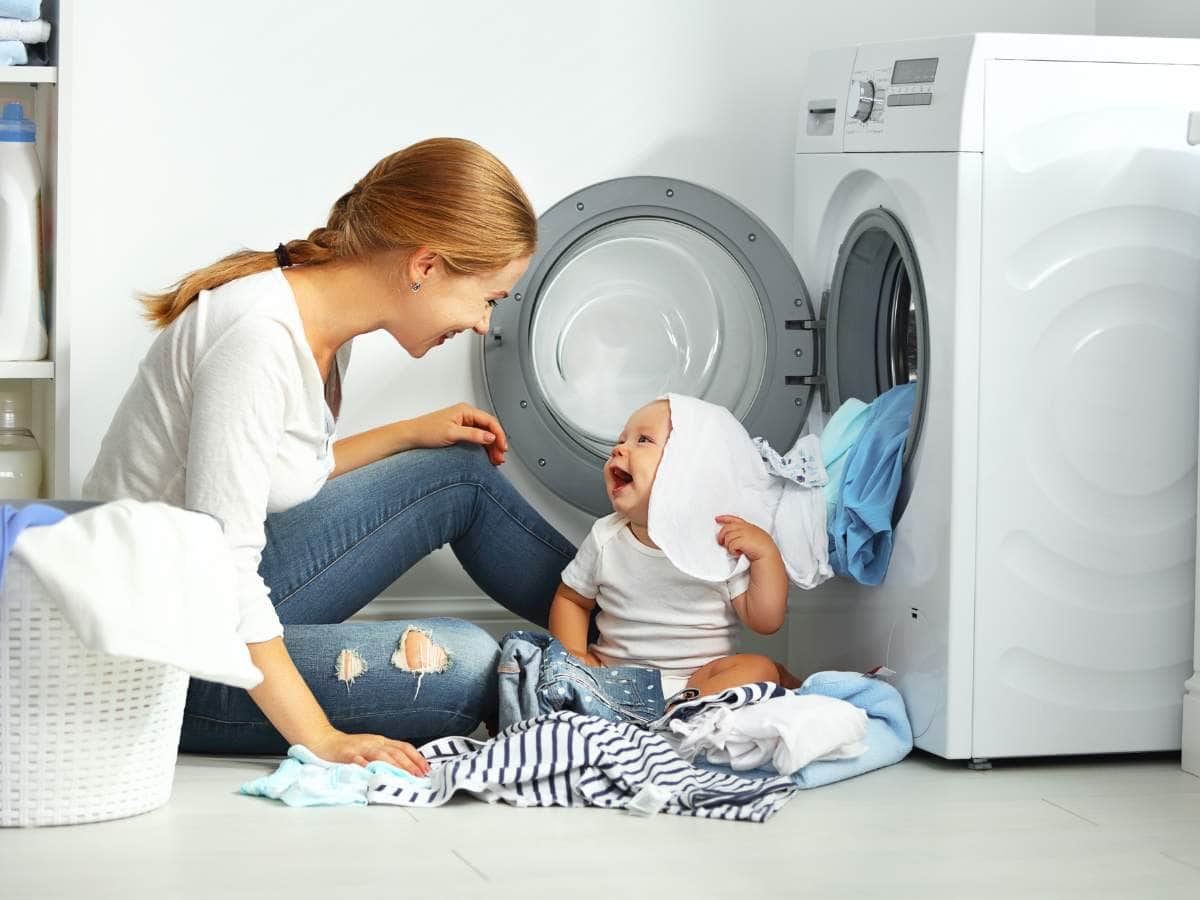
(740, 754)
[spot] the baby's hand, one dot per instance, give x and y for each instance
(741, 538)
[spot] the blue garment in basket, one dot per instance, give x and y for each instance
(860, 532)
(14, 520)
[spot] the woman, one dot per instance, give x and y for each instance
(232, 412)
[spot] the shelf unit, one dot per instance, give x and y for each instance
(42, 370)
(40, 89)
(28, 74)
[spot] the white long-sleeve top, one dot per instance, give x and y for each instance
(227, 415)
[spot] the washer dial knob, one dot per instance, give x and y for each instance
(862, 100)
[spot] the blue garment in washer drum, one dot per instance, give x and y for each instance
(860, 532)
(537, 676)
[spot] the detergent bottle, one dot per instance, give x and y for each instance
(22, 318)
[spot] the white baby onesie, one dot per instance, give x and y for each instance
(651, 613)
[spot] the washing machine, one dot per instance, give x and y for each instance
(1012, 222)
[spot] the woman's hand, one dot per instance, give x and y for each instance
(741, 538)
(360, 749)
(458, 424)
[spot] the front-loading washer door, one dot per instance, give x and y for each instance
(877, 329)
(644, 286)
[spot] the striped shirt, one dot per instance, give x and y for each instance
(568, 759)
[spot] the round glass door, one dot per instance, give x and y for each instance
(638, 308)
(644, 286)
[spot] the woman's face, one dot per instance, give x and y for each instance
(449, 304)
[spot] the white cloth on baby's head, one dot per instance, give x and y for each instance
(711, 467)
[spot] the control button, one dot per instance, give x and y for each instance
(923, 99)
(895, 100)
(862, 98)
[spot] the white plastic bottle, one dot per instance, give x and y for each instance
(20, 455)
(22, 318)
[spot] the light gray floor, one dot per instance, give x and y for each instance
(926, 828)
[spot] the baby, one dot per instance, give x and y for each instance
(651, 613)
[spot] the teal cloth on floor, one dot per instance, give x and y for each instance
(840, 434)
(13, 521)
(860, 530)
(304, 779)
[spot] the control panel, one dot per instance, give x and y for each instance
(875, 91)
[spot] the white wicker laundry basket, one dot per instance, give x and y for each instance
(84, 736)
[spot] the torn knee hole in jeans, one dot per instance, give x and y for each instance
(348, 666)
(417, 653)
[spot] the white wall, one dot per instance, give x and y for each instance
(199, 128)
(1162, 18)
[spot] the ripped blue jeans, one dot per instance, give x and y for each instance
(326, 559)
(537, 675)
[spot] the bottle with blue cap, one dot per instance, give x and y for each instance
(22, 312)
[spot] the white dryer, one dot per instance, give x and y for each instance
(1014, 221)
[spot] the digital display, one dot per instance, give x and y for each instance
(914, 71)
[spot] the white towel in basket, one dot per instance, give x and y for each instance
(145, 580)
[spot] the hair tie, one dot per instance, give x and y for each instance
(282, 256)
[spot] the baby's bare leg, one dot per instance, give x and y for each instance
(733, 671)
(787, 679)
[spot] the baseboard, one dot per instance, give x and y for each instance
(1191, 727)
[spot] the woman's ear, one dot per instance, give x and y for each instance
(423, 262)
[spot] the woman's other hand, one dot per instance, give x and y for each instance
(461, 423)
(360, 749)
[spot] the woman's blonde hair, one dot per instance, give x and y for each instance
(447, 194)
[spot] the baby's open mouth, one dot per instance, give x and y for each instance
(620, 476)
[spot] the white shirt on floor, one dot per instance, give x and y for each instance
(651, 613)
(226, 415)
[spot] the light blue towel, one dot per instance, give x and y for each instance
(839, 435)
(860, 530)
(304, 779)
(13, 53)
(21, 9)
(889, 735)
(888, 739)
(13, 521)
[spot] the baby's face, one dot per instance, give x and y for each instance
(633, 463)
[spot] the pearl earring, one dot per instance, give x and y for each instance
(416, 286)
